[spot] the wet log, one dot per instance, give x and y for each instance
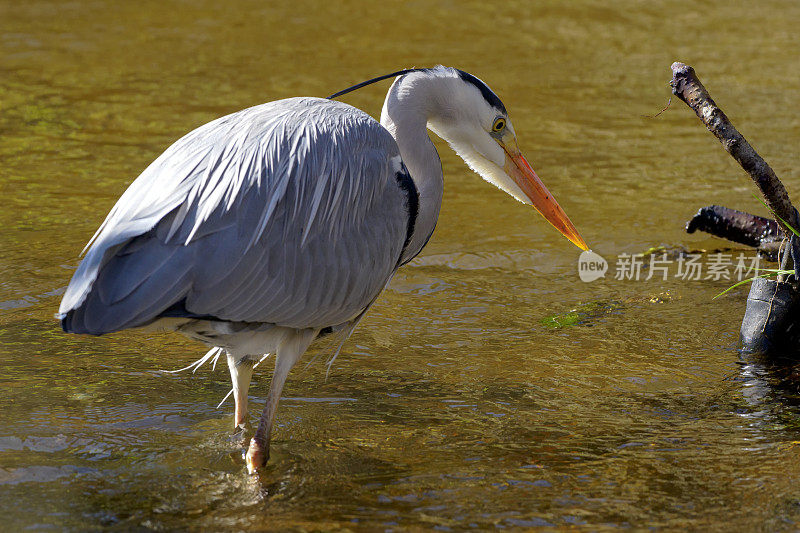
(764, 234)
(770, 326)
(736, 226)
(686, 86)
(770, 250)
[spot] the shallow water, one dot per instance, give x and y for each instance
(460, 402)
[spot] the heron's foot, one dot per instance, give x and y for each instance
(257, 456)
(239, 435)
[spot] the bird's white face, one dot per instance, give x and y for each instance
(482, 134)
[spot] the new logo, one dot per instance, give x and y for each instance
(591, 266)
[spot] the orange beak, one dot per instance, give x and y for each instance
(521, 172)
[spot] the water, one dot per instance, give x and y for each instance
(456, 404)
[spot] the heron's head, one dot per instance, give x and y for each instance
(473, 120)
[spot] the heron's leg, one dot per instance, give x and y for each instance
(287, 355)
(241, 373)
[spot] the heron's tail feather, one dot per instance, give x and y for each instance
(346, 331)
(342, 333)
(345, 336)
(225, 398)
(214, 353)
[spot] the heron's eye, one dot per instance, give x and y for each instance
(499, 124)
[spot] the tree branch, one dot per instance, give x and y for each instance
(686, 86)
(736, 226)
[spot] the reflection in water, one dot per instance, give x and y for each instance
(489, 387)
(771, 389)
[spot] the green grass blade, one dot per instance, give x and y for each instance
(748, 280)
(777, 271)
(776, 215)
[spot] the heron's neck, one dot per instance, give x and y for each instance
(405, 114)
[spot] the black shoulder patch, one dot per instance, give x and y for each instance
(487, 93)
(405, 183)
(66, 321)
(178, 310)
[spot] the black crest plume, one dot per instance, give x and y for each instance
(373, 80)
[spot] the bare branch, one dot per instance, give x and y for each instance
(736, 226)
(687, 87)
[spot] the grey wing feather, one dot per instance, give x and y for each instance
(285, 213)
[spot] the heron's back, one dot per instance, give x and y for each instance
(287, 213)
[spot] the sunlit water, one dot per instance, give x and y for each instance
(460, 402)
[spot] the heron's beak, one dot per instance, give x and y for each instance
(521, 172)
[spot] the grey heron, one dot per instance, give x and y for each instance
(265, 229)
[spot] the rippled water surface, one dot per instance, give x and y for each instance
(472, 396)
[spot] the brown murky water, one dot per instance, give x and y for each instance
(458, 403)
